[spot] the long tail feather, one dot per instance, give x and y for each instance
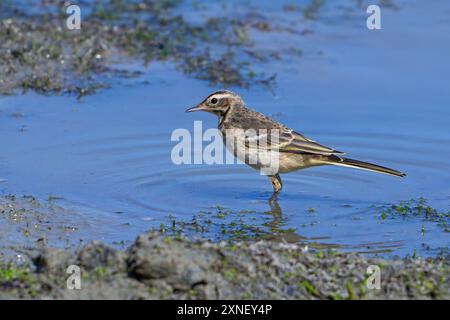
(345, 162)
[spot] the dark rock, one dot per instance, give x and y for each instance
(53, 261)
(152, 258)
(96, 254)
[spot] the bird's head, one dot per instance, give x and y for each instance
(218, 103)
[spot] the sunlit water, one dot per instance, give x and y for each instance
(381, 96)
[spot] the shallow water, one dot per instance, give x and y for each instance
(381, 96)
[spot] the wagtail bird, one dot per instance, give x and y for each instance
(294, 150)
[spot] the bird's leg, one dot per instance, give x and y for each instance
(276, 184)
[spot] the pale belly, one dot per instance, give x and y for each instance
(267, 161)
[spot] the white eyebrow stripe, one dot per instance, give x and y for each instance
(220, 96)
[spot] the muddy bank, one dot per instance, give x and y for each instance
(40, 53)
(158, 267)
(38, 245)
(28, 225)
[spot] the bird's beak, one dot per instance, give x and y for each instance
(196, 108)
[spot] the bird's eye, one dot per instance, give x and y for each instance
(213, 100)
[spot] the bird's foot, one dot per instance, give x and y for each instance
(277, 184)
